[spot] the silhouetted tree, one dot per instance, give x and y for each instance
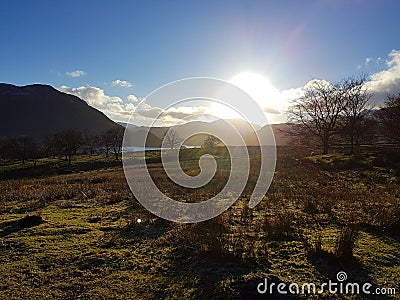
(51, 145)
(111, 140)
(172, 139)
(210, 142)
(117, 136)
(24, 148)
(318, 111)
(70, 141)
(91, 142)
(356, 115)
(4, 147)
(106, 142)
(389, 118)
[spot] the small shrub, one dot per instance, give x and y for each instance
(345, 243)
(310, 206)
(210, 235)
(313, 245)
(279, 225)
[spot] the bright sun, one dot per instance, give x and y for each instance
(258, 87)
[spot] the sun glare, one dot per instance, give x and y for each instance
(224, 112)
(258, 87)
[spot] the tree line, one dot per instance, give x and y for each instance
(66, 143)
(341, 112)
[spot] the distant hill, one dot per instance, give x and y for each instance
(282, 137)
(217, 127)
(37, 110)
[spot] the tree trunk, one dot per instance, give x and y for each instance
(352, 138)
(325, 145)
(352, 145)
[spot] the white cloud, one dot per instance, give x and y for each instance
(187, 113)
(122, 83)
(148, 111)
(130, 107)
(386, 81)
(76, 73)
(116, 109)
(367, 61)
(94, 96)
(133, 98)
(271, 110)
(145, 113)
(112, 106)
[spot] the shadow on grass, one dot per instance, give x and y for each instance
(329, 266)
(57, 168)
(17, 225)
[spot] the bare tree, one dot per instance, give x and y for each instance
(318, 111)
(172, 138)
(24, 147)
(7, 148)
(111, 140)
(389, 118)
(69, 141)
(51, 145)
(356, 113)
(106, 142)
(91, 142)
(210, 142)
(117, 136)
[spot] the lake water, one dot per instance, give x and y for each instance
(141, 149)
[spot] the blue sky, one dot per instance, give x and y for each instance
(150, 43)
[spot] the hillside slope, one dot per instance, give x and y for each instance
(37, 110)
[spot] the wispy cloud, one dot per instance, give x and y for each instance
(76, 73)
(122, 83)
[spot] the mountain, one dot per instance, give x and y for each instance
(37, 110)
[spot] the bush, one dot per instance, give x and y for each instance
(345, 243)
(313, 245)
(279, 225)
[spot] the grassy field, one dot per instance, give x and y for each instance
(90, 239)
